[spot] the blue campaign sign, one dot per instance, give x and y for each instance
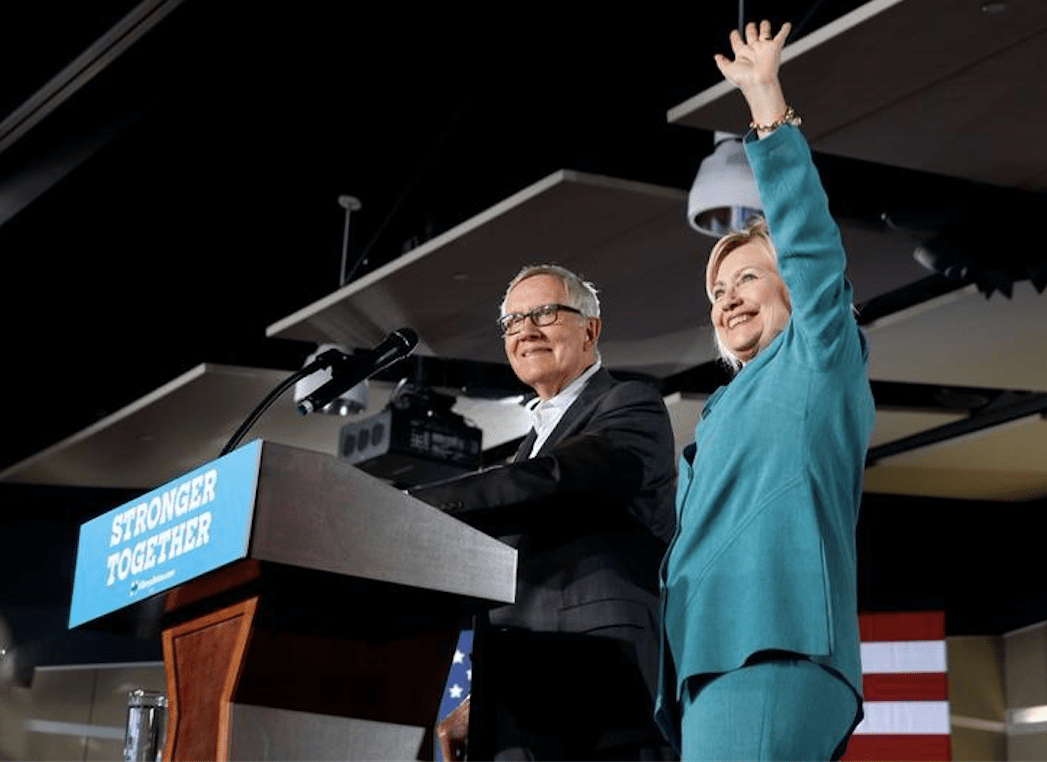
(186, 528)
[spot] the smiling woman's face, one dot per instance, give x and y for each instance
(549, 357)
(750, 301)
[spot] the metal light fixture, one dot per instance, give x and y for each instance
(723, 197)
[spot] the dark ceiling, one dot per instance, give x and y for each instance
(185, 197)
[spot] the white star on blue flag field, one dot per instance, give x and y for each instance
(459, 677)
(459, 681)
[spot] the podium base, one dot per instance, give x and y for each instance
(264, 734)
(240, 689)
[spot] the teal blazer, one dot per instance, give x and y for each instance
(767, 495)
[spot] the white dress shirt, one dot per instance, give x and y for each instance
(545, 414)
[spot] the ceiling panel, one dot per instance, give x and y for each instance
(1002, 463)
(892, 425)
(629, 238)
(178, 427)
(964, 339)
(954, 90)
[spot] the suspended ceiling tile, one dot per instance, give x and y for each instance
(1018, 446)
(629, 238)
(1002, 463)
(964, 339)
(954, 90)
(892, 425)
(180, 426)
(993, 110)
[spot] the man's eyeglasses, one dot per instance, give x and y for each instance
(540, 316)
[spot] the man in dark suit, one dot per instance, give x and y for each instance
(568, 671)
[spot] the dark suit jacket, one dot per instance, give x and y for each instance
(591, 516)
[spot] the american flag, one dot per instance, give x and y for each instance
(459, 679)
(905, 681)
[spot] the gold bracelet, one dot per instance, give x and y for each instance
(789, 117)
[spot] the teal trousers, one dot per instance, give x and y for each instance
(784, 709)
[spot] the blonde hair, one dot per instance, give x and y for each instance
(754, 232)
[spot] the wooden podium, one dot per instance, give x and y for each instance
(332, 638)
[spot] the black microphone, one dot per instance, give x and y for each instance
(349, 370)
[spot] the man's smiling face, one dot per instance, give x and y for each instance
(549, 357)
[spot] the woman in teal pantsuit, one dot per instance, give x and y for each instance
(760, 655)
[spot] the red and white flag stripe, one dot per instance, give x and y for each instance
(904, 678)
